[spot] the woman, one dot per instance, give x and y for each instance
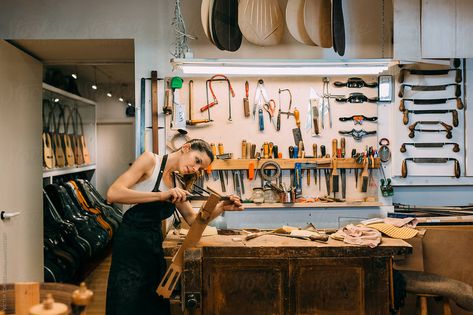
(138, 261)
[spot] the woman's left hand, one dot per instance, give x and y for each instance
(234, 204)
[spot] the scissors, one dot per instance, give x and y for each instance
(270, 108)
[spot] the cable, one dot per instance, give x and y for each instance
(181, 46)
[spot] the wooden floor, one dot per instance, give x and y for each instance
(97, 282)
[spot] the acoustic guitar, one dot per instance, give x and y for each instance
(81, 138)
(78, 157)
(66, 139)
(48, 152)
(58, 146)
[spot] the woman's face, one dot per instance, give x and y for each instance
(192, 161)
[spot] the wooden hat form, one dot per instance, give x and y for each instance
(261, 21)
(295, 22)
(49, 307)
(318, 21)
(204, 17)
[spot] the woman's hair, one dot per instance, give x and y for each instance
(197, 145)
(202, 146)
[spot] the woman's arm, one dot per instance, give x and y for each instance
(120, 191)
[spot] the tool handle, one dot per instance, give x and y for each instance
(314, 150)
(247, 88)
(220, 148)
(343, 146)
(213, 148)
(243, 149)
(404, 169)
(460, 104)
(402, 106)
(296, 152)
(321, 238)
(403, 148)
(405, 117)
(402, 74)
(456, 147)
(261, 119)
(457, 168)
(455, 118)
(253, 151)
(291, 152)
(300, 147)
(322, 151)
(316, 126)
(458, 75)
(278, 121)
(265, 150)
(246, 107)
(206, 107)
(458, 90)
(334, 147)
(251, 171)
(275, 151)
(296, 117)
(401, 91)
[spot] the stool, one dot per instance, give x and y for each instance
(422, 303)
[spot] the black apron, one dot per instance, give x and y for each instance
(138, 263)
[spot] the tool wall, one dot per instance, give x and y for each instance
(229, 126)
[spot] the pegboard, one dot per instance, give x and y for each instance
(402, 136)
(231, 133)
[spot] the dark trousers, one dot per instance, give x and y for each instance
(137, 268)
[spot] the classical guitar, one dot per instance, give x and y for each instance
(58, 146)
(79, 159)
(48, 152)
(66, 139)
(81, 138)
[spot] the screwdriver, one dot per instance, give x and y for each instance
(296, 117)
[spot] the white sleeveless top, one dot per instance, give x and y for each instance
(148, 184)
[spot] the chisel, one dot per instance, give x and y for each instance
(246, 103)
(221, 150)
(343, 172)
(314, 153)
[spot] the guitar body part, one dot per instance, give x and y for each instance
(48, 154)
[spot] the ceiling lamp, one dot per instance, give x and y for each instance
(282, 67)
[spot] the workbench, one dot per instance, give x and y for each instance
(279, 275)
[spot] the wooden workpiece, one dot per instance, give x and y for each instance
(286, 164)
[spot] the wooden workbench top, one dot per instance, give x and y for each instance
(274, 246)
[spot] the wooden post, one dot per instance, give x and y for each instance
(26, 296)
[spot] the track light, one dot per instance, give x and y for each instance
(74, 75)
(56, 100)
(120, 99)
(109, 94)
(94, 86)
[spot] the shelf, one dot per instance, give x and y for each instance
(68, 95)
(286, 164)
(359, 204)
(68, 170)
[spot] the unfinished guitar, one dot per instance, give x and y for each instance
(170, 279)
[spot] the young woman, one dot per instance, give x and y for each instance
(137, 259)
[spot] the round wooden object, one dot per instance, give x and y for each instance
(49, 307)
(204, 17)
(295, 21)
(82, 296)
(261, 21)
(225, 24)
(318, 21)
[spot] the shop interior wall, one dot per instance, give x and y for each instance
(148, 22)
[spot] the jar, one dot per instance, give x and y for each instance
(258, 195)
(270, 196)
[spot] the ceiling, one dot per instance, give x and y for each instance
(113, 59)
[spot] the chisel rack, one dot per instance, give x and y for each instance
(287, 164)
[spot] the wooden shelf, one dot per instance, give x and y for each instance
(68, 170)
(313, 205)
(285, 164)
(68, 95)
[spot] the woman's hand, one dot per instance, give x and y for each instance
(234, 204)
(176, 195)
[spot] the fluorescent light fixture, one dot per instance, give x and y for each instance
(280, 67)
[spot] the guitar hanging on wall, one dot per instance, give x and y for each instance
(81, 139)
(48, 152)
(58, 146)
(66, 139)
(78, 157)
